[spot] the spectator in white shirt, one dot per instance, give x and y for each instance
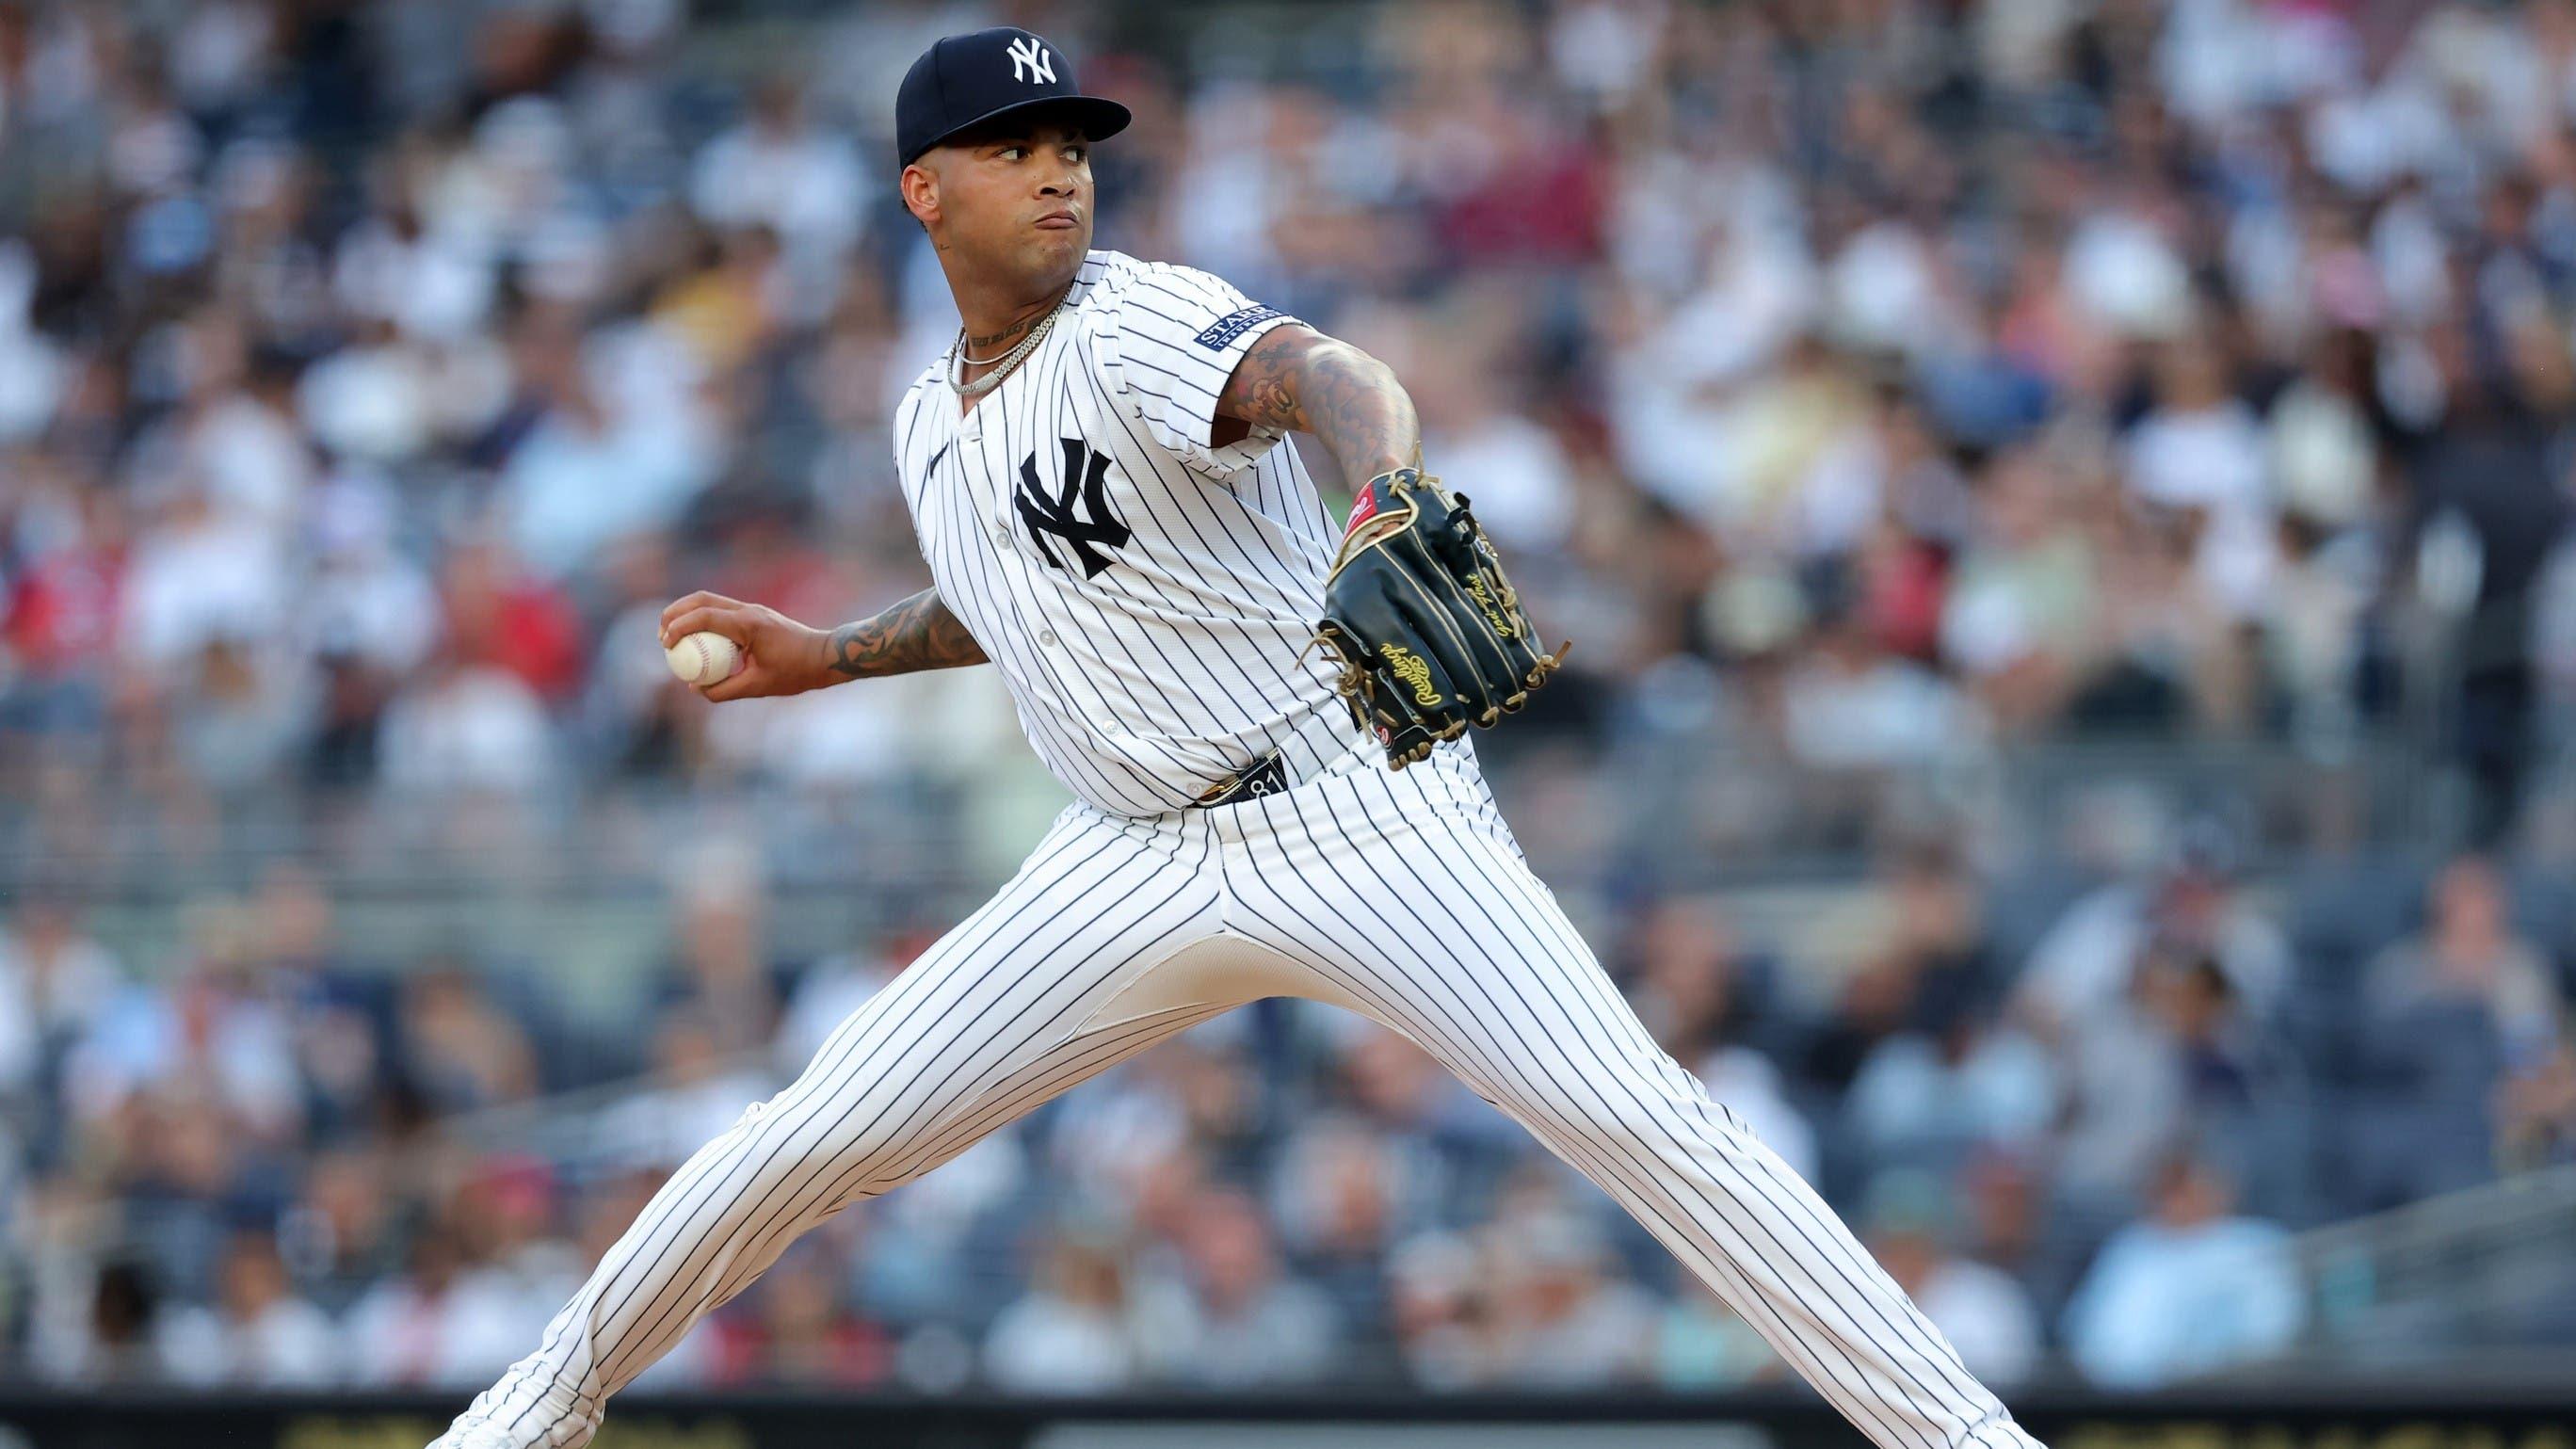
(467, 727)
(1074, 1332)
(258, 1334)
(779, 170)
(2188, 1290)
(54, 980)
(439, 1323)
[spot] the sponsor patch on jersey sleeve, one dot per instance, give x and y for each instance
(1221, 333)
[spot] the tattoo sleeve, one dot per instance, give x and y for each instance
(1300, 380)
(918, 633)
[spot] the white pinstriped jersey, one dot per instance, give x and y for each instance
(1147, 598)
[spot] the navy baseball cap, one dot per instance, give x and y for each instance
(963, 81)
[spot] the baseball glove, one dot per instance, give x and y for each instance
(1429, 635)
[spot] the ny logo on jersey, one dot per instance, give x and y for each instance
(1030, 61)
(1085, 474)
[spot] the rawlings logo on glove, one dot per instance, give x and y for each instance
(1404, 664)
(1429, 634)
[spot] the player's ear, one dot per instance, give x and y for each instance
(920, 185)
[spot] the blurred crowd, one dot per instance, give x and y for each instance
(1873, 388)
(2081, 1123)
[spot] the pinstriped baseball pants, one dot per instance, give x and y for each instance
(1400, 896)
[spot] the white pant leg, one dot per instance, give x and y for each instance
(1077, 964)
(1407, 898)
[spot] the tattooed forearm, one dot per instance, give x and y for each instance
(918, 633)
(1297, 379)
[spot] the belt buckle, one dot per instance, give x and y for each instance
(1267, 776)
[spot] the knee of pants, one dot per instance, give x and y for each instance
(1654, 1114)
(758, 1137)
(798, 1167)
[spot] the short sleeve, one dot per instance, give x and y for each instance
(1168, 342)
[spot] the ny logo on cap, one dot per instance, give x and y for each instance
(1030, 61)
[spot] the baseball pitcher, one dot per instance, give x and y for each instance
(1260, 714)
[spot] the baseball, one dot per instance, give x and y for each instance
(704, 658)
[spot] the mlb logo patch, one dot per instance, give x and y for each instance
(1224, 330)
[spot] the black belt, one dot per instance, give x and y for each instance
(1265, 776)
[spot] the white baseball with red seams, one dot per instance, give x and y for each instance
(1148, 596)
(704, 658)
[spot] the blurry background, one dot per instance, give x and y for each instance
(2063, 503)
